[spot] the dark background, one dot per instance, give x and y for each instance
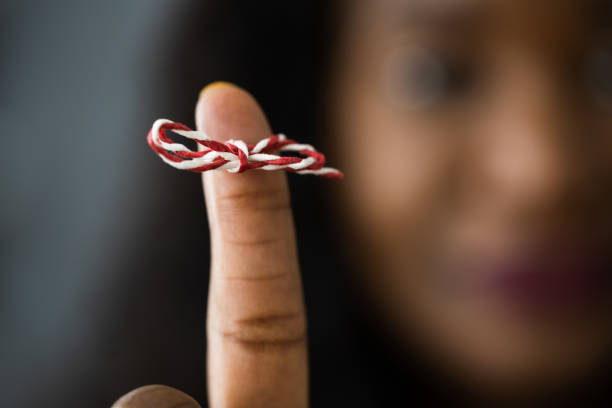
(104, 249)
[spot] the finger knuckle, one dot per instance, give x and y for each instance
(267, 332)
(254, 218)
(253, 200)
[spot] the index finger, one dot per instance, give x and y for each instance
(256, 320)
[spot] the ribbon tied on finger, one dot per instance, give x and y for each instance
(236, 156)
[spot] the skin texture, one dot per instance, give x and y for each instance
(475, 147)
(256, 323)
(484, 143)
(256, 319)
(156, 396)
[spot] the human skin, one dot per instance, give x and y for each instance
(256, 323)
(472, 138)
(476, 150)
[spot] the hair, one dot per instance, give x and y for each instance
(277, 50)
(281, 52)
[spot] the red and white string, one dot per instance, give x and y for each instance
(235, 156)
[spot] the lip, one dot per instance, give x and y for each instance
(561, 280)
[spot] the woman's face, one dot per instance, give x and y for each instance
(477, 145)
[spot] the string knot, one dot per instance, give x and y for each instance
(235, 156)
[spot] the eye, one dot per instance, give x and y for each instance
(599, 75)
(421, 79)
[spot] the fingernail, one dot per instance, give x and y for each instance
(212, 85)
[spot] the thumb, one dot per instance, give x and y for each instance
(156, 396)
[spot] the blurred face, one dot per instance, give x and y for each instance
(477, 145)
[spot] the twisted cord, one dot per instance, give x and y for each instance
(235, 156)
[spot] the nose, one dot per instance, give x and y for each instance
(525, 155)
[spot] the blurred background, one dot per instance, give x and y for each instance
(82, 320)
(472, 262)
(104, 250)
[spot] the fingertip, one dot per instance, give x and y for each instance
(225, 111)
(213, 85)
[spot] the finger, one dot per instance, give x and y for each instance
(256, 320)
(156, 396)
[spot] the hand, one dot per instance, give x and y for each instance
(256, 326)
